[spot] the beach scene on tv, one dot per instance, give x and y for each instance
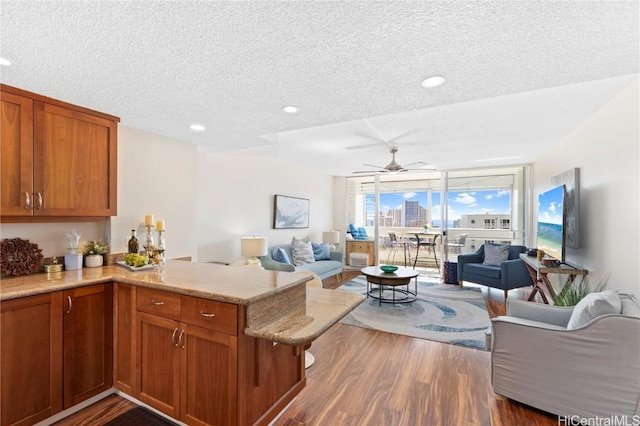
(550, 233)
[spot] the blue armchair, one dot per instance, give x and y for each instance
(512, 273)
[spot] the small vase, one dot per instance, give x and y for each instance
(72, 261)
(93, 260)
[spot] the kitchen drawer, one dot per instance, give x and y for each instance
(158, 302)
(218, 316)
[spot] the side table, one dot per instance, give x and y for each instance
(539, 274)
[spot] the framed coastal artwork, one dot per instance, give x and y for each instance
(290, 212)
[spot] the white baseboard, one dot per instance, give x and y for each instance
(69, 411)
(84, 404)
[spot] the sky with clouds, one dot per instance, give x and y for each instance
(460, 202)
(550, 206)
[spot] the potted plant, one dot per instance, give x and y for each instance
(94, 252)
(576, 291)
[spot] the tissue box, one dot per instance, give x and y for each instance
(72, 261)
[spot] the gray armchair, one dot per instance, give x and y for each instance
(588, 371)
(511, 273)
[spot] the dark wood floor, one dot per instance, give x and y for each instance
(368, 377)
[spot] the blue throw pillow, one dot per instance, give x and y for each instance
(362, 233)
(281, 256)
(355, 233)
(321, 251)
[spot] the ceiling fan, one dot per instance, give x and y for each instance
(391, 143)
(394, 167)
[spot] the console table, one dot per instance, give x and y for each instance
(539, 274)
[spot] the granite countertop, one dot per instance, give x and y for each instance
(280, 308)
(322, 309)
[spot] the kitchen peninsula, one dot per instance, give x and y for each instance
(203, 343)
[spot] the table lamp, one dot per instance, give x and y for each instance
(331, 237)
(252, 248)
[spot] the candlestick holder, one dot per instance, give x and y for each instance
(159, 251)
(149, 244)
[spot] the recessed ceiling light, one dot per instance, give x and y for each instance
(290, 109)
(197, 127)
(433, 81)
(4, 61)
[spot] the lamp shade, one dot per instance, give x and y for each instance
(253, 246)
(331, 237)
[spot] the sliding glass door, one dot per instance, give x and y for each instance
(466, 208)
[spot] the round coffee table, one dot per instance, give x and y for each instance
(392, 280)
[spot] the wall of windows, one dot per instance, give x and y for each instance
(485, 204)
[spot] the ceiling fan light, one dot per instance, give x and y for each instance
(433, 81)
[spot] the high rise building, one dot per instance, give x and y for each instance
(411, 213)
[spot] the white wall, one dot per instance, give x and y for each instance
(155, 175)
(235, 199)
(606, 150)
(158, 176)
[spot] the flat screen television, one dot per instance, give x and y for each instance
(551, 222)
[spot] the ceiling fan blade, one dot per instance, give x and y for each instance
(373, 165)
(369, 145)
(429, 169)
(397, 138)
(377, 132)
(425, 166)
(370, 172)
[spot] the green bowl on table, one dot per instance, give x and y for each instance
(389, 268)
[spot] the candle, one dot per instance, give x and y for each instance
(160, 225)
(148, 219)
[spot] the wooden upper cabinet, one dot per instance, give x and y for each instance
(16, 155)
(75, 160)
(64, 156)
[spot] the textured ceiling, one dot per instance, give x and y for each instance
(519, 75)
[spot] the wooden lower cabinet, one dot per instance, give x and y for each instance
(209, 377)
(159, 363)
(192, 361)
(124, 342)
(88, 341)
(56, 352)
(188, 372)
(31, 365)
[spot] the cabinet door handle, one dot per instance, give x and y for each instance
(39, 201)
(156, 302)
(27, 201)
(69, 304)
(173, 338)
(180, 342)
(204, 314)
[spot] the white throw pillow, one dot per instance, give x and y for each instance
(593, 305)
(302, 251)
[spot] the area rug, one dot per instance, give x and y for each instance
(442, 312)
(139, 416)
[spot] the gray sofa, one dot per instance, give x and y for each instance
(589, 371)
(322, 268)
